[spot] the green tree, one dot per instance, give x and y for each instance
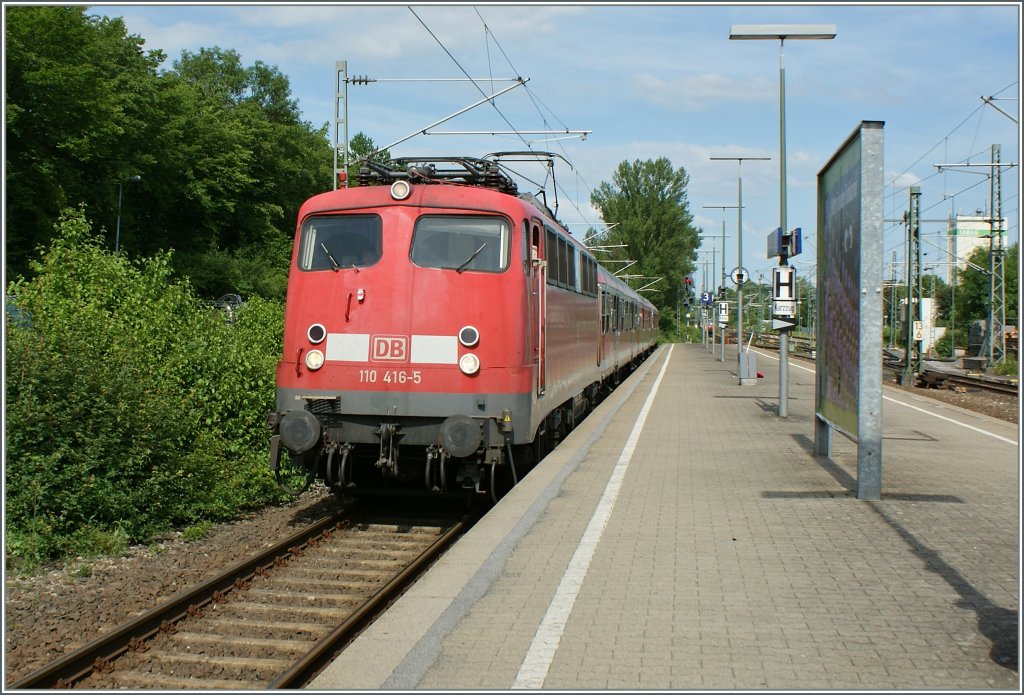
(362, 147)
(972, 287)
(248, 163)
(80, 95)
(224, 157)
(647, 201)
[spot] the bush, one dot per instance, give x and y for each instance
(132, 407)
(943, 347)
(1007, 367)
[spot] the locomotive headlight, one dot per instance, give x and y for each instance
(316, 333)
(314, 360)
(400, 190)
(469, 336)
(469, 364)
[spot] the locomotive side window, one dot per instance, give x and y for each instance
(461, 242)
(554, 267)
(589, 276)
(570, 265)
(339, 241)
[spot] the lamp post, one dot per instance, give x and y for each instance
(741, 363)
(781, 32)
(722, 286)
(120, 191)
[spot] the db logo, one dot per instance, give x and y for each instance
(390, 348)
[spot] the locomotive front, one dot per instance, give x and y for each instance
(405, 350)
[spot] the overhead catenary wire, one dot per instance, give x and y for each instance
(534, 99)
(896, 196)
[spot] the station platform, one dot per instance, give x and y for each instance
(685, 537)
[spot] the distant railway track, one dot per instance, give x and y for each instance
(939, 379)
(931, 378)
(271, 621)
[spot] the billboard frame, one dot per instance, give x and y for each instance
(848, 378)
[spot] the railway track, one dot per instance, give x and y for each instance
(271, 621)
(931, 378)
(939, 379)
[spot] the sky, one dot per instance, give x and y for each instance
(655, 80)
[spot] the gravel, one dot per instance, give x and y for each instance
(53, 613)
(995, 405)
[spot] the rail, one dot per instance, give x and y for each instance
(97, 659)
(804, 346)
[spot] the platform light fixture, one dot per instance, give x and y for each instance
(781, 32)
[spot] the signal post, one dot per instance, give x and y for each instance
(784, 245)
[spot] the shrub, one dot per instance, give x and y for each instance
(1007, 367)
(132, 407)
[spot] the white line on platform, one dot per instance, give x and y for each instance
(534, 669)
(920, 410)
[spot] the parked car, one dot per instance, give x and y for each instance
(230, 303)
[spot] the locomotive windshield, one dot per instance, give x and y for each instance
(331, 243)
(461, 242)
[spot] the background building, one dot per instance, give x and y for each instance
(964, 233)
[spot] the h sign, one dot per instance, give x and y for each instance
(784, 284)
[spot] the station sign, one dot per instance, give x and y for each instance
(783, 308)
(723, 313)
(784, 292)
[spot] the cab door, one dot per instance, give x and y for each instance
(539, 284)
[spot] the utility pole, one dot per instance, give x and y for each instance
(997, 278)
(995, 337)
(743, 376)
(912, 354)
(341, 116)
(892, 303)
(721, 287)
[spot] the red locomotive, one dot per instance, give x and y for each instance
(442, 332)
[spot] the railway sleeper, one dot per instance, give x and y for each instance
(315, 614)
(157, 681)
(280, 629)
(229, 646)
(361, 586)
(273, 596)
(241, 667)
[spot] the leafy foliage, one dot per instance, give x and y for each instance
(648, 204)
(223, 155)
(132, 407)
(80, 104)
(972, 286)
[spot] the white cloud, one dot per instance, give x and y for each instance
(702, 92)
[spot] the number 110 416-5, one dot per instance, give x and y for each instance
(389, 376)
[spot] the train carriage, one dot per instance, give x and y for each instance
(442, 332)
